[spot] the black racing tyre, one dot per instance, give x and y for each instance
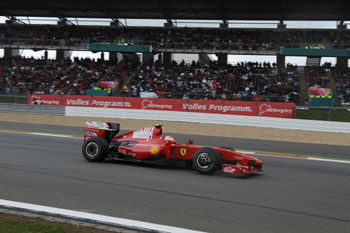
(206, 160)
(95, 149)
(228, 148)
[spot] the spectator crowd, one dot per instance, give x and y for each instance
(342, 78)
(316, 77)
(176, 38)
(20, 75)
(244, 81)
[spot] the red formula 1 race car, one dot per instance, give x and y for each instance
(147, 145)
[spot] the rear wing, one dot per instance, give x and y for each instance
(104, 130)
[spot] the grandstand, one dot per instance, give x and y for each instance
(155, 71)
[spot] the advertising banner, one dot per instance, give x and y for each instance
(107, 84)
(321, 92)
(268, 109)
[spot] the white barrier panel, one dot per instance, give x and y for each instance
(224, 119)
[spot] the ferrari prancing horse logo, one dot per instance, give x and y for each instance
(183, 151)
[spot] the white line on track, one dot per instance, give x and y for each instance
(42, 134)
(54, 135)
(296, 157)
(103, 219)
(329, 160)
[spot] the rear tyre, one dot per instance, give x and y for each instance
(206, 160)
(95, 149)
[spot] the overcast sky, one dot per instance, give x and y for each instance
(182, 23)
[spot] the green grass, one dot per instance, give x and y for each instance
(13, 99)
(324, 114)
(15, 226)
(13, 223)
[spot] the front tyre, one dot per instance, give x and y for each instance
(206, 160)
(95, 149)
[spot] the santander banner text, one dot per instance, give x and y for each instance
(269, 109)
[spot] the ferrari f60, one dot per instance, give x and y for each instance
(147, 145)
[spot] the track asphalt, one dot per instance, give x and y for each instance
(290, 195)
(331, 151)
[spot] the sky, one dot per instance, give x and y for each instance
(233, 59)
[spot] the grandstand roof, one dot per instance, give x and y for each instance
(182, 9)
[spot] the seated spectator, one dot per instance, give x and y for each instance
(38, 76)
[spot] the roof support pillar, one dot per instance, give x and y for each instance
(147, 58)
(341, 26)
(9, 52)
(342, 61)
(281, 61)
(281, 25)
(116, 23)
(222, 58)
(62, 54)
(167, 58)
(168, 24)
(224, 25)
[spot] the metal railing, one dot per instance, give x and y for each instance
(231, 97)
(324, 113)
(81, 44)
(32, 109)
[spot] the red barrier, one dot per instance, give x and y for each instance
(269, 109)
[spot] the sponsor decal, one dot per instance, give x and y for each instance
(154, 150)
(238, 158)
(229, 170)
(216, 107)
(131, 154)
(96, 124)
(122, 151)
(183, 151)
(92, 130)
(91, 134)
(78, 102)
(266, 108)
(194, 106)
(146, 133)
(37, 100)
(230, 108)
(111, 104)
(149, 104)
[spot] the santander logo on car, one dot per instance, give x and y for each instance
(229, 170)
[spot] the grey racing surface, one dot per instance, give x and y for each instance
(241, 143)
(290, 195)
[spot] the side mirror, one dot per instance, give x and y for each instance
(190, 142)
